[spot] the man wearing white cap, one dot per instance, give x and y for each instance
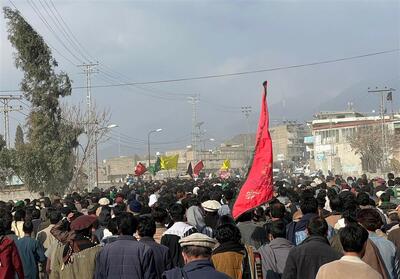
(196, 251)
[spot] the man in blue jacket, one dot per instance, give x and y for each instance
(126, 257)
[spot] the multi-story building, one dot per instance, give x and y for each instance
(332, 131)
(288, 141)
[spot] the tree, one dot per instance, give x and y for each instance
(75, 115)
(46, 161)
(367, 143)
(8, 163)
(19, 137)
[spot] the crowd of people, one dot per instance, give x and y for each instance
(313, 227)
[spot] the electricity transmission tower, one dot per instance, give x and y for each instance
(88, 70)
(6, 109)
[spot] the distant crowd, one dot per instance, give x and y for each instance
(314, 227)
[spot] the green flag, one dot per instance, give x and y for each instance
(153, 169)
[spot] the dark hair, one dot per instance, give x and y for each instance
(385, 197)
(336, 204)
(309, 205)
(55, 217)
(19, 215)
(197, 251)
(282, 191)
(390, 175)
(228, 232)
(277, 210)
(225, 219)
(159, 214)
(362, 199)
(353, 238)
(278, 229)
(177, 212)
(127, 223)
(370, 219)
(27, 227)
(228, 194)
(146, 226)
(35, 213)
(318, 227)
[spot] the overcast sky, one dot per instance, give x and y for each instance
(154, 40)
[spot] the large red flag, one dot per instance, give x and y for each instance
(198, 167)
(140, 169)
(258, 187)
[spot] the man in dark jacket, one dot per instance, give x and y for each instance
(146, 231)
(126, 257)
(296, 231)
(196, 250)
(304, 260)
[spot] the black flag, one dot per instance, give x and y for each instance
(190, 170)
(389, 97)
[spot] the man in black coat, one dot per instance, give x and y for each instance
(162, 257)
(304, 260)
(126, 257)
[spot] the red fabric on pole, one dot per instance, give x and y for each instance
(258, 187)
(140, 169)
(198, 167)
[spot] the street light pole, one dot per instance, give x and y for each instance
(148, 142)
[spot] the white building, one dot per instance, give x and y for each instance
(332, 150)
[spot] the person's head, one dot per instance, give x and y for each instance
(390, 176)
(282, 191)
(227, 232)
(196, 246)
(55, 217)
(35, 213)
(317, 227)
(336, 204)
(363, 199)
(385, 197)
(177, 213)
(19, 215)
(127, 223)
(353, 238)
(159, 215)
(370, 219)
(277, 210)
(27, 228)
(277, 229)
(393, 216)
(146, 226)
(309, 205)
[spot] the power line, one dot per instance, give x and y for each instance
(70, 32)
(279, 68)
(50, 45)
(60, 27)
(46, 23)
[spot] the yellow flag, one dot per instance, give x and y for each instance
(226, 165)
(169, 162)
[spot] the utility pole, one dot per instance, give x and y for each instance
(383, 91)
(246, 110)
(6, 109)
(193, 100)
(88, 70)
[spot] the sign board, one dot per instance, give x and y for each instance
(309, 140)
